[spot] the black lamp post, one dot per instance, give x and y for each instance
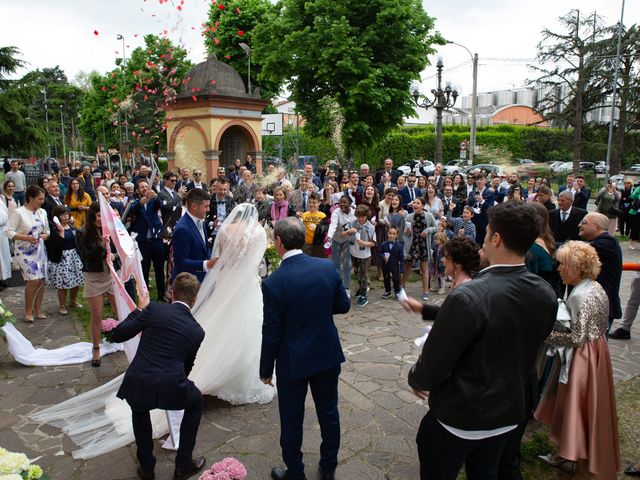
(442, 99)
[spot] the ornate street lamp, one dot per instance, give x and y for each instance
(442, 99)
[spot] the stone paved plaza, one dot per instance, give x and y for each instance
(379, 413)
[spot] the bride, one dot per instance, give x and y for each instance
(229, 309)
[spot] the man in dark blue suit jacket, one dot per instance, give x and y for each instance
(299, 336)
(147, 226)
(593, 229)
(409, 193)
(190, 244)
(157, 376)
(481, 199)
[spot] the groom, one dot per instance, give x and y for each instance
(191, 250)
(157, 376)
(299, 336)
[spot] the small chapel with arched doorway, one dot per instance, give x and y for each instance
(214, 120)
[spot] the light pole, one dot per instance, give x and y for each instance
(442, 99)
(46, 121)
(474, 100)
(124, 53)
(613, 98)
(249, 52)
(64, 148)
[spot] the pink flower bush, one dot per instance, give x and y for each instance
(226, 469)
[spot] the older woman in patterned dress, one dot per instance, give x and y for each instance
(581, 407)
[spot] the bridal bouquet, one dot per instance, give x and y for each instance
(226, 469)
(108, 326)
(5, 316)
(16, 466)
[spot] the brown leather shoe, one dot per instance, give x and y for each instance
(197, 464)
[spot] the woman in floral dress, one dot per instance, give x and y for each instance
(64, 271)
(28, 228)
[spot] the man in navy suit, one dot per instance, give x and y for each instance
(190, 246)
(299, 336)
(582, 193)
(481, 199)
(147, 225)
(409, 193)
(593, 229)
(157, 376)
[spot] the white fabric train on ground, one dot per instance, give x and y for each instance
(24, 352)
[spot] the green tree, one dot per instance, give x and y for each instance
(573, 83)
(231, 23)
(19, 133)
(628, 89)
(62, 107)
(361, 55)
(134, 97)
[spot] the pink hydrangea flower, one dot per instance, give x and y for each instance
(226, 469)
(109, 324)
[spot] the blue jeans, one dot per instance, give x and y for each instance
(19, 197)
(342, 260)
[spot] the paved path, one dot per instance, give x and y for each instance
(379, 414)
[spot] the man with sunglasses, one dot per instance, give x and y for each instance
(197, 181)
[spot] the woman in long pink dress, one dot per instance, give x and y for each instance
(581, 409)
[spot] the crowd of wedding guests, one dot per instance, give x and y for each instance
(434, 224)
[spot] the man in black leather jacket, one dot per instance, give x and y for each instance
(477, 360)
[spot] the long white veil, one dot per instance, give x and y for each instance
(229, 309)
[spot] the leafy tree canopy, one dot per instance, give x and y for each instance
(231, 23)
(136, 95)
(361, 54)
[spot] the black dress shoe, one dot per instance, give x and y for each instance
(278, 473)
(620, 334)
(632, 471)
(197, 464)
(327, 475)
(146, 475)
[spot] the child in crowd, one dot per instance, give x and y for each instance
(463, 226)
(363, 237)
(338, 239)
(392, 261)
(311, 220)
(436, 265)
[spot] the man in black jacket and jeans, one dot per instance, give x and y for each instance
(477, 360)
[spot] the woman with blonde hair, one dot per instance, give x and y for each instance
(579, 400)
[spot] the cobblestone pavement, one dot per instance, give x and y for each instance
(379, 414)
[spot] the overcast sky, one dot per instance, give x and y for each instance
(61, 32)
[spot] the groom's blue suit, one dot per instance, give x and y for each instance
(189, 249)
(299, 336)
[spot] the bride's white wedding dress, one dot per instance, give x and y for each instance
(229, 309)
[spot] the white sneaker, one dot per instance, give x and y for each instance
(442, 291)
(348, 293)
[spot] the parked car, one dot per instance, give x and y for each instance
(562, 167)
(489, 168)
(601, 167)
(525, 161)
(634, 168)
(567, 167)
(454, 166)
